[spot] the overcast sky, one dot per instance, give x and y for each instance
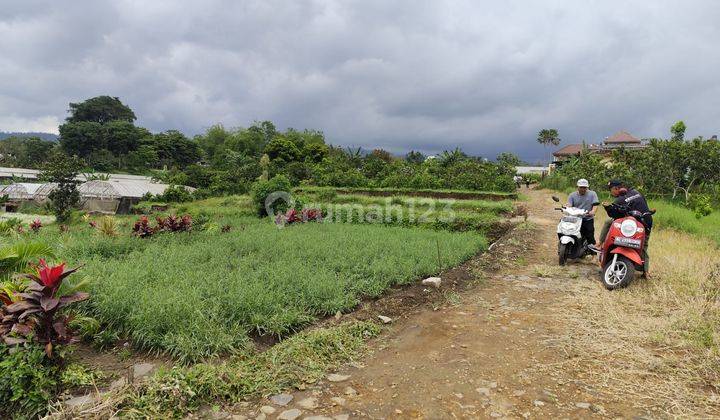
(427, 75)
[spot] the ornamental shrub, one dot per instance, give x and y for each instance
(261, 190)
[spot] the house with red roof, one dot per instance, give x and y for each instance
(621, 139)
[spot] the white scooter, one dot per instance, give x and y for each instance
(571, 244)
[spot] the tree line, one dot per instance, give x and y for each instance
(101, 132)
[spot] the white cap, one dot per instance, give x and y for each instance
(583, 183)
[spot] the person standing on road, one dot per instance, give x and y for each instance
(517, 179)
(586, 199)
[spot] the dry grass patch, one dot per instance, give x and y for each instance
(546, 270)
(658, 341)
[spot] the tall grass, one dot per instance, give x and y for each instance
(683, 219)
(198, 295)
(658, 341)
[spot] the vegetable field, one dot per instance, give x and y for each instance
(208, 279)
(199, 295)
(203, 293)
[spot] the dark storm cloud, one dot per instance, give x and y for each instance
(407, 74)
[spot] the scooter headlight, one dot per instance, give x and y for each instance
(628, 228)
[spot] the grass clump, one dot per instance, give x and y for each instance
(303, 358)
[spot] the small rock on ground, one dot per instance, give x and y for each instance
(281, 399)
(291, 414)
(335, 377)
(267, 409)
(432, 281)
(141, 370)
(583, 405)
(118, 383)
(80, 401)
(308, 403)
(484, 391)
(338, 400)
(385, 319)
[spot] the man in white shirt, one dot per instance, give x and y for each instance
(586, 199)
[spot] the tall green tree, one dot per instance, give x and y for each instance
(677, 131)
(122, 137)
(415, 158)
(25, 152)
(508, 159)
(100, 109)
(174, 149)
(62, 170)
(81, 138)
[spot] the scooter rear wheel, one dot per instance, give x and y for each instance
(618, 275)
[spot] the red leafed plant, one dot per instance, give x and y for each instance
(35, 315)
(174, 223)
(142, 228)
(171, 223)
(36, 225)
(292, 216)
(312, 214)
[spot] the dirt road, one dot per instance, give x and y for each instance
(496, 350)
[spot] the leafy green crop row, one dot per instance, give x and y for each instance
(484, 206)
(431, 193)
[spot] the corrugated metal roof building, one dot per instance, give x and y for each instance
(111, 196)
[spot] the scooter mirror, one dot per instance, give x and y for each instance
(555, 199)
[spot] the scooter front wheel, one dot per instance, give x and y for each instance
(562, 253)
(618, 272)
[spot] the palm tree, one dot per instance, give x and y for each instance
(452, 157)
(548, 136)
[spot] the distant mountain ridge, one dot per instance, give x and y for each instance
(44, 136)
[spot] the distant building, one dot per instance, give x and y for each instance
(114, 193)
(621, 139)
(525, 170)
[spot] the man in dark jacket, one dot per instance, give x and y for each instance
(627, 199)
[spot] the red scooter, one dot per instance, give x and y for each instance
(621, 253)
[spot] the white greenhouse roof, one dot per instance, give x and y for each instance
(116, 186)
(20, 190)
(120, 188)
(106, 190)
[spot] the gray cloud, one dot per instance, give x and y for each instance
(407, 74)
